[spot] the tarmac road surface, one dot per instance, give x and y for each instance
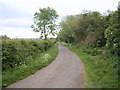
(66, 71)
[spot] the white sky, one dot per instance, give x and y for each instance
(16, 15)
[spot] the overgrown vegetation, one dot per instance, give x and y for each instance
(112, 33)
(92, 29)
(98, 39)
(22, 58)
(85, 29)
(101, 67)
(16, 52)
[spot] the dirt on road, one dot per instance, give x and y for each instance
(66, 71)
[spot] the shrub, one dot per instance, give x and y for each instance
(16, 52)
(91, 51)
(112, 34)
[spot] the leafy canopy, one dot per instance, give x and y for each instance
(86, 28)
(44, 22)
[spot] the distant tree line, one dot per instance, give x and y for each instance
(4, 37)
(93, 29)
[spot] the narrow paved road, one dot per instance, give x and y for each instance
(66, 71)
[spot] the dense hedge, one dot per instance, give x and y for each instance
(17, 52)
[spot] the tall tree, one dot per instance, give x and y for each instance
(44, 22)
(67, 33)
(86, 28)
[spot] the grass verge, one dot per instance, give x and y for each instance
(30, 67)
(101, 68)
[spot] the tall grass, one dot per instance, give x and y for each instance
(101, 67)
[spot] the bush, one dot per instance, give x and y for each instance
(16, 52)
(91, 51)
(29, 66)
(112, 34)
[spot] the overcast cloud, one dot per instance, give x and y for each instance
(16, 15)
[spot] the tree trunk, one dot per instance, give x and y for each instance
(45, 35)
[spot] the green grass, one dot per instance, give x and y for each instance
(30, 67)
(0, 80)
(101, 68)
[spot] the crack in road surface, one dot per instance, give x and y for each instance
(66, 71)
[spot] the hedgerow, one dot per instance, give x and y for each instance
(17, 52)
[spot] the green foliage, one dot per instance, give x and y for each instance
(85, 29)
(29, 65)
(101, 69)
(67, 34)
(112, 33)
(92, 29)
(17, 52)
(91, 51)
(44, 22)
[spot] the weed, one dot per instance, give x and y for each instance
(102, 69)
